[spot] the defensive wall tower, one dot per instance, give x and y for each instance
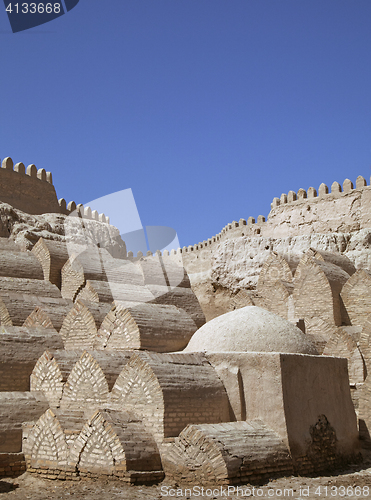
(31, 190)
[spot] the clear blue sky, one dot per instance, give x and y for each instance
(206, 109)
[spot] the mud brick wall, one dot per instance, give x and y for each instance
(216, 454)
(29, 190)
(76, 379)
(12, 464)
(104, 291)
(97, 265)
(18, 310)
(20, 265)
(343, 344)
(327, 429)
(19, 297)
(171, 391)
(317, 287)
(153, 327)
(356, 295)
(80, 326)
(108, 443)
(181, 297)
(16, 408)
(20, 348)
(52, 256)
(163, 272)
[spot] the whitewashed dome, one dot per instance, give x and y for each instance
(250, 329)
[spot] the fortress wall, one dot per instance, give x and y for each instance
(343, 208)
(29, 190)
(196, 258)
(335, 211)
(81, 211)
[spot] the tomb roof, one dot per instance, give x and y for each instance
(250, 329)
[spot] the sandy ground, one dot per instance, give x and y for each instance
(353, 483)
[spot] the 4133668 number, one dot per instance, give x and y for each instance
(33, 8)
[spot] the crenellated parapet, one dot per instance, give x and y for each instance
(335, 211)
(28, 189)
(241, 228)
(335, 190)
(31, 170)
(340, 208)
(81, 211)
(31, 190)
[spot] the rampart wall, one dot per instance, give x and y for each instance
(340, 209)
(31, 190)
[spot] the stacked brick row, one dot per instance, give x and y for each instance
(63, 445)
(27, 303)
(75, 379)
(159, 405)
(37, 302)
(38, 312)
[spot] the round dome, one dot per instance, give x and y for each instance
(250, 329)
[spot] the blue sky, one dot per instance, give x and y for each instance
(206, 109)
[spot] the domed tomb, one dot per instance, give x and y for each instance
(250, 329)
